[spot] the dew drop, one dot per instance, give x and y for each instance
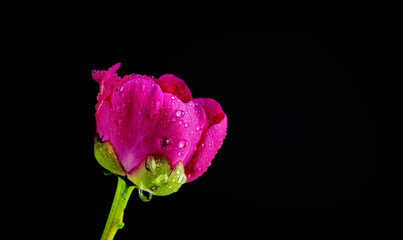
(157, 104)
(186, 125)
(145, 197)
(179, 113)
(179, 153)
(182, 178)
(183, 143)
(162, 179)
(164, 141)
(121, 88)
(198, 128)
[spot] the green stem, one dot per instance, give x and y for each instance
(115, 218)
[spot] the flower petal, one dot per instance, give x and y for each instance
(133, 105)
(107, 80)
(102, 116)
(173, 132)
(169, 83)
(179, 128)
(211, 140)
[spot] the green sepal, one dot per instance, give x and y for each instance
(105, 155)
(156, 176)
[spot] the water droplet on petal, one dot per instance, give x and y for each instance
(186, 125)
(179, 113)
(183, 143)
(164, 141)
(179, 153)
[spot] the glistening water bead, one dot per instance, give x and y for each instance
(145, 196)
(179, 113)
(164, 141)
(183, 143)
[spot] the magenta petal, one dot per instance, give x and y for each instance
(178, 129)
(169, 83)
(107, 80)
(100, 75)
(211, 140)
(102, 117)
(124, 116)
(134, 107)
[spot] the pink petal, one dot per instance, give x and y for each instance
(182, 125)
(135, 104)
(173, 132)
(211, 140)
(102, 116)
(169, 83)
(107, 80)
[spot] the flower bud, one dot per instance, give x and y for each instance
(153, 132)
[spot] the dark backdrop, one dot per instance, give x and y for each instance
(312, 97)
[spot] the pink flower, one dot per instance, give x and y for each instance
(143, 122)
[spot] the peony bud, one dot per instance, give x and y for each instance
(153, 132)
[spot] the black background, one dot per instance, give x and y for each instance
(312, 93)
